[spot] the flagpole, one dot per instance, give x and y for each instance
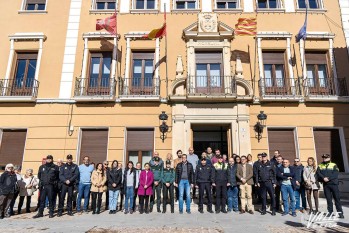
(166, 51)
(116, 44)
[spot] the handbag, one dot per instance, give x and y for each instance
(306, 184)
(32, 189)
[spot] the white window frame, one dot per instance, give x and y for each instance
(156, 7)
(23, 8)
(238, 6)
(95, 10)
(320, 2)
(197, 5)
(279, 3)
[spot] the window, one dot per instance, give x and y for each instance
(209, 78)
(182, 4)
(24, 76)
(140, 145)
(94, 143)
(35, 5)
(100, 71)
(144, 4)
(283, 140)
(224, 4)
(12, 147)
(142, 73)
(274, 72)
(269, 4)
(105, 5)
(317, 73)
(312, 4)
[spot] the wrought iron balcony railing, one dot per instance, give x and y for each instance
(280, 87)
(211, 85)
(87, 87)
(19, 87)
(139, 87)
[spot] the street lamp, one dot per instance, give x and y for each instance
(258, 127)
(163, 127)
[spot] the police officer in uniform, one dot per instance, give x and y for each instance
(167, 179)
(266, 178)
(327, 173)
(68, 176)
(157, 169)
(48, 177)
(204, 177)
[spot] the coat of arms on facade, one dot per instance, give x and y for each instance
(208, 22)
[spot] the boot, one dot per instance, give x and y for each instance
(59, 214)
(141, 210)
(19, 211)
(50, 215)
(159, 211)
(98, 211)
(164, 209)
(38, 215)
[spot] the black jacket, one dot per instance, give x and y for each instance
(329, 170)
(69, 172)
(221, 175)
(48, 174)
(8, 182)
(125, 178)
(255, 170)
(114, 176)
(281, 176)
(232, 174)
(204, 174)
(179, 170)
(298, 175)
(266, 173)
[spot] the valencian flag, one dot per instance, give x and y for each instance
(108, 24)
(156, 33)
(302, 34)
(246, 27)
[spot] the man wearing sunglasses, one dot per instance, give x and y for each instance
(299, 191)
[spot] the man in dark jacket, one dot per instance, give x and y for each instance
(204, 177)
(256, 191)
(299, 191)
(48, 177)
(184, 181)
(327, 173)
(232, 190)
(167, 180)
(68, 176)
(266, 178)
(157, 171)
(8, 182)
(221, 181)
(285, 179)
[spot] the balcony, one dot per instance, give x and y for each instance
(211, 88)
(137, 89)
(287, 89)
(18, 90)
(87, 90)
(326, 89)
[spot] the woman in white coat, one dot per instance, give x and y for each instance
(28, 185)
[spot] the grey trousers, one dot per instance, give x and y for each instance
(5, 201)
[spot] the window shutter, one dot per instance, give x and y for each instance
(27, 55)
(316, 58)
(327, 141)
(94, 143)
(283, 140)
(12, 147)
(273, 57)
(36, 1)
(226, 0)
(105, 1)
(208, 57)
(143, 55)
(140, 139)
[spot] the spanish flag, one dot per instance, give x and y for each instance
(109, 24)
(156, 33)
(246, 27)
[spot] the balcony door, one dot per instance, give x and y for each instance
(98, 82)
(209, 78)
(142, 74)
(274, 73)
(23, 82)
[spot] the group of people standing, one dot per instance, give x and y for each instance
(231, 181)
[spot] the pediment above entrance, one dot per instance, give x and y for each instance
(208, 27)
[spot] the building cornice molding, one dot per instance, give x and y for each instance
(274, 34)
(22, 36)
(98, 35)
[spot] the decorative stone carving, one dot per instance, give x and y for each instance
(208, 22)
(238, 68)
(179, 66)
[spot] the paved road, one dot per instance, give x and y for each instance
(155, 222)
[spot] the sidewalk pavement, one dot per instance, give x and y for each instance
(157, 222)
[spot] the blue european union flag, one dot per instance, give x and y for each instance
(302, 34)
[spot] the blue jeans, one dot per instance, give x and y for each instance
(300, 193)
(84, 191)
(129, 198)
(113, 199)
(287, 192)
(184, 186)
(233, 200)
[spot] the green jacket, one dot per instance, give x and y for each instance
(168, 176)
(157, 170)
